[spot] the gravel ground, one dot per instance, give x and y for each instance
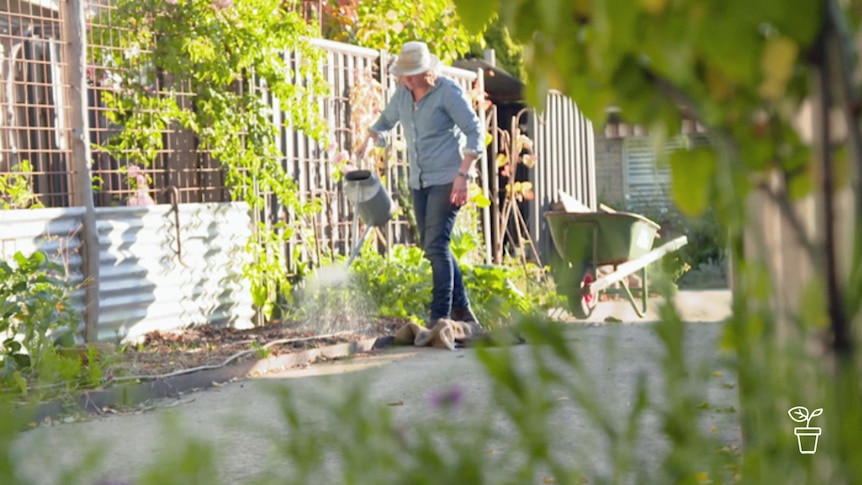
(232, 417)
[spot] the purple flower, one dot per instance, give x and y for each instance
(447, 398)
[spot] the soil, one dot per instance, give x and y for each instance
(162, 353)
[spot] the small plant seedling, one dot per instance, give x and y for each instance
(800, 414)
(261, 351)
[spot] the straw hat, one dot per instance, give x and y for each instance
(414, 59)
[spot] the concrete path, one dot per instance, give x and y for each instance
(236, 419)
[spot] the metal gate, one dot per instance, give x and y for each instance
(647, 171)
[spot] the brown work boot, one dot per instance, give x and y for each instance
(464, 315)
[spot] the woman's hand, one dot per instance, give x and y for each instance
(460, 188)
(362, 150)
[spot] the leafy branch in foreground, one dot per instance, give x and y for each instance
(781, 173)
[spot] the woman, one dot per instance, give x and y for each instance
(443, 136)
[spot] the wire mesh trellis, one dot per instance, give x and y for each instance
(33, 109)
(179, 169)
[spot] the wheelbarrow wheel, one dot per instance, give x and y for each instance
(582, 303)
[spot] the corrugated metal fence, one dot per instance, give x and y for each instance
(154, 273)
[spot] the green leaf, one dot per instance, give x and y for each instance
(20, 259)
(800, 186)
(800, 22)
(22, 361)
(776, 63)
(12, 346)
(692, 172)
(475, 14)
(729, 44)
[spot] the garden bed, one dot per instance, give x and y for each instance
(163, 353)
(171, 364)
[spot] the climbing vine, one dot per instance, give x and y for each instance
(217, 69)
(15, 188)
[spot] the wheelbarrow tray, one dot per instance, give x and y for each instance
(587, 240)
(600, 238)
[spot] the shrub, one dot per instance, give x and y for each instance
(400, 283)
(34, 311)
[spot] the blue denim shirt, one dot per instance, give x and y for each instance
(436, 129)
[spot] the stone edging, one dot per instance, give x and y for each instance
(131, 394)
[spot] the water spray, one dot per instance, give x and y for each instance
(327, 295)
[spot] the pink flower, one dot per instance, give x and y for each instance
(141, 196)
(140, 199)
(447, 398)
(171, 2)
(222, 4)
(341, 157)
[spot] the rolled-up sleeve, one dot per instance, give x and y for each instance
(461, 111)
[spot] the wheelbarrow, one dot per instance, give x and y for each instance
(587, 240)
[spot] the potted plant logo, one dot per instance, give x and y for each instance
(807, 436)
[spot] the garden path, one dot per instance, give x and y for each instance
(238, 418)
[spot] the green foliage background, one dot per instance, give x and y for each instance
(388, 24)
(399, 284)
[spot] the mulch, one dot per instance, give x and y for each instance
(162, 353)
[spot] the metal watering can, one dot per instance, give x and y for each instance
(371, 203)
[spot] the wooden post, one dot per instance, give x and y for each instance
(72, 14)
(482, 168)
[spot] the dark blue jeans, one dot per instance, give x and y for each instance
(435, 215)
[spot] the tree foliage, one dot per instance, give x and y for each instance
(388, 24)
(508, 54)
(729, 63)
